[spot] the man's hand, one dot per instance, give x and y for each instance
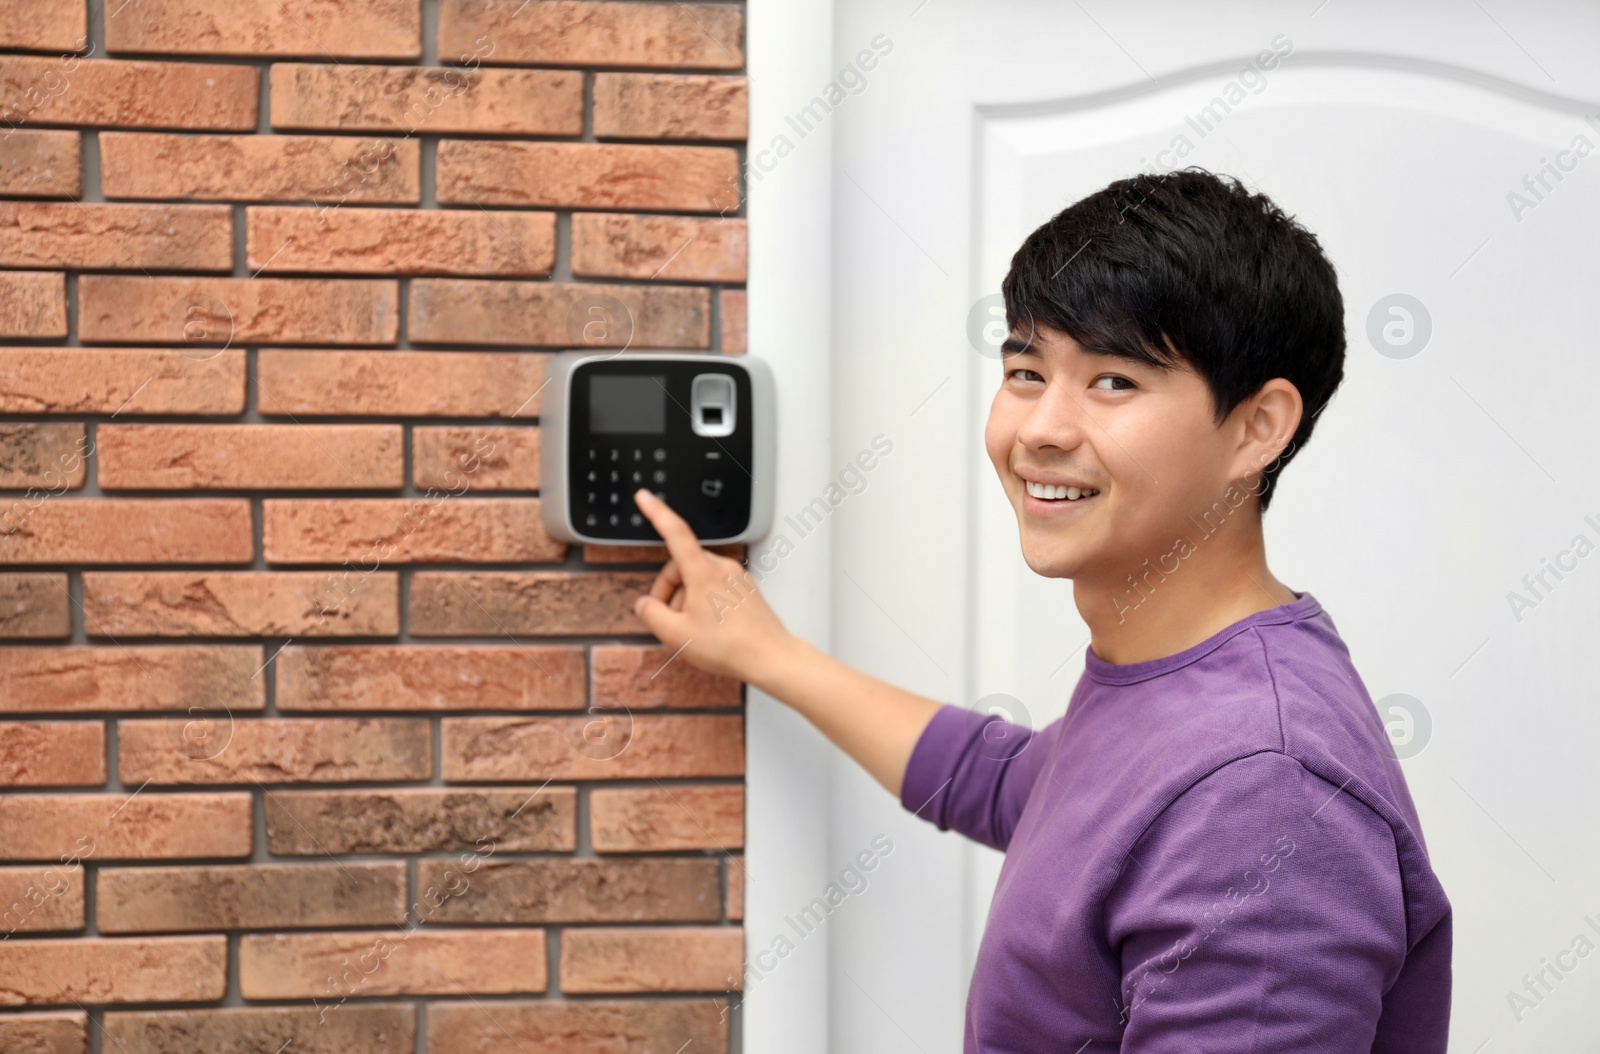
(708, 602)
(708, 605)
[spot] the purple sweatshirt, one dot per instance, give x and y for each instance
(1213, 851)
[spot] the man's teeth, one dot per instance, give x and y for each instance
(1050, 492)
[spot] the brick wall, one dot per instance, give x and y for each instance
(311, 739)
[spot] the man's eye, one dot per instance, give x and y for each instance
(1115, 377)
(1030, 374)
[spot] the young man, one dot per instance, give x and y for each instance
(1215, 849)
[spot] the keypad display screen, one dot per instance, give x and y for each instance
(627, 403)
(629, 426)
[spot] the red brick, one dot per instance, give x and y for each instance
(52, 754)
(40, 164)
(130, 381)
(474, 677)
(578, 1027)
(563, 32)
(427, 100)
(372, 29)
(536, 603)
(116, 237)
(549, 890)
(665, 247)
(649, 554)
(257, 457)
(550, 314)
(624, 554)
(33, 605)
(240, 604)
(44, 25)
(602, 745)
(588, 175)
(126, 530)
(440, 528)
(240, 310)
(33, 304)
(45, 1032)
(328, 169)
(401, 241)
(47, 456)
(123, 94)
(652, 959)
(422, 820)
(736, 876)
(118, 970)
(670, 106)
(143, 825)
(479, 457)
(402, 962)
(657, 819)
(731, 306)
(371, 1028)
(192, 897)
(199, 678)
(400, 383)
(39, 898)
(650, 678)
(267, 750)
(639, 1026)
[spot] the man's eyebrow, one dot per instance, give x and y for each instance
(1012, 346)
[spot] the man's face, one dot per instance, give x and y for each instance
(1143, 438)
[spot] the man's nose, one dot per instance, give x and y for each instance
(1057, 418)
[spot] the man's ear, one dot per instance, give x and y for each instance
(1267, 422)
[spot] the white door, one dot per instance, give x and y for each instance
(1458, 458)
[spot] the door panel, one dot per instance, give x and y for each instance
(1437, 480)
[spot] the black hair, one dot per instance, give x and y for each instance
(1188, 266)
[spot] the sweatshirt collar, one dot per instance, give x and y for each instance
(1302, 607)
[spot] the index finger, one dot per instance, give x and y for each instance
(674, 530)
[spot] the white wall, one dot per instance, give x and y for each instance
(788, 763)
(1434, 484)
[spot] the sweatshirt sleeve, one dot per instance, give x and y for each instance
(971, 772)
(1262, 910)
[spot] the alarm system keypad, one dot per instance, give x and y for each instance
(631, 427)
(614, 474)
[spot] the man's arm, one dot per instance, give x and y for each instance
(972, 772)
(873, 721)
(708, 606)
(1261, 911)
(957, 768)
